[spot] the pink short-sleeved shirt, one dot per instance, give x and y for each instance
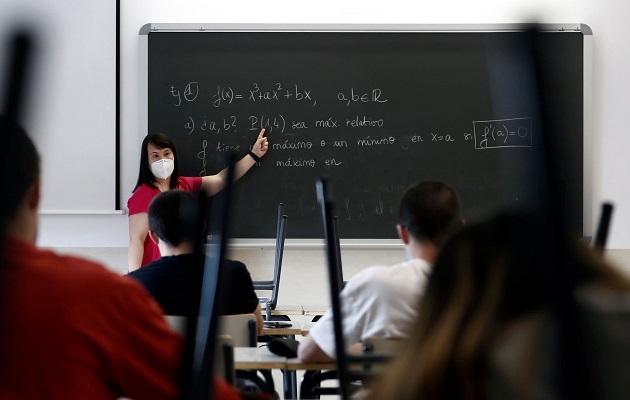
(139, 203)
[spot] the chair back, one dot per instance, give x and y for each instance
(241, 327)
(599, 243)
(274, 284)
(242, 330)
(224, 353)
(177, 323)
(337, 244)
(335, 280)
(281, 233)
(335, 283)
(199, 347)
(224, 359)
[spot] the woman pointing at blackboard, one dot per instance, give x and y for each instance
(159, 173)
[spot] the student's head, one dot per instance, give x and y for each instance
(430, 211)
(490, 269)
(21, 177)
(487, 277)
(168, 217)
(155, 147)
(507, 267)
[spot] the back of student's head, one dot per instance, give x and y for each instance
(492, 267)
(487, 276)
(23, 170)
(516, 257)
(430, 211)
(169, 216)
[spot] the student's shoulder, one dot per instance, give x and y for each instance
(50, 263)
(234, 264)
(371, 272)
(106, 289)
(367, 277)
(79, 274)
(237, 268)
(165, 266)
(77, 266)
(382, 275)
(88, 287)
(147, 271)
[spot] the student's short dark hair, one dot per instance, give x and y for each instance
(168, 214)
(161, 141)
(23, 170)
(430, 210)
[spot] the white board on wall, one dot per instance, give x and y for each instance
(70, 110)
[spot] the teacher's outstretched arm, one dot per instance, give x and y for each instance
(213, 184)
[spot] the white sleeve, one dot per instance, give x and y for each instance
(323, 332)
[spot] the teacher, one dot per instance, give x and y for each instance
(159, 173)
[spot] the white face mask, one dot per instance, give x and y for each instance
(163, 168)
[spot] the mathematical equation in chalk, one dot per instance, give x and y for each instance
(499, 133)
(224, 94)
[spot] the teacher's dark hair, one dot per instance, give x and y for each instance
(145, 176)
(22, 172)
(430, 210)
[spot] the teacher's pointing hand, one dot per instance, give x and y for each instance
(261, 146)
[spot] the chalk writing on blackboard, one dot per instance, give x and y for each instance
(514, 132)
(259, 93)
(279, 92)
(191, 91)
(202, 156)
(373, 95)
(372, 111)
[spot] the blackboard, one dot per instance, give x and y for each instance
(374, 111)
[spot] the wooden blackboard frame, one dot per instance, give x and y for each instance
(402, 28)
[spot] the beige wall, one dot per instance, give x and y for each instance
(304, 277)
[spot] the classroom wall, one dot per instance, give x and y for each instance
(96, 224)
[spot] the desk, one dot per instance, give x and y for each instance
(254, 358)
(288, 310)
(290, 377)
(257, 358)
(294, 329)
(294, 364)
(306, 328)
(313, 372)
(315, 310)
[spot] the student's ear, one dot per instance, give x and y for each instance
(154, 237)
(33, 195)
(403, 234)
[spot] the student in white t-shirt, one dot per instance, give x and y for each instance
(382, 301)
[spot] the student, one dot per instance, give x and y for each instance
(70, 328)
(175, 279)
(382, 301)
(159, 173)
(489, 322)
